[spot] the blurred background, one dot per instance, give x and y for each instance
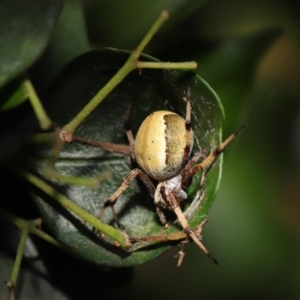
(249, 52)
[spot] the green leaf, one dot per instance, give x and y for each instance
(151, 90)
(25, 28)
(69, 39)
(12, 95)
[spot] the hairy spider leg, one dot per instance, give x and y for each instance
(212, 157)
(127, 125)
(186, 227)
(185, 171)
(126, 183)
(188, 125)
(111, 147)
(126, 150)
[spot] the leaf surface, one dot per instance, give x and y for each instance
(151, 90)
(25, 26)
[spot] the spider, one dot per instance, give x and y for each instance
(162, 150)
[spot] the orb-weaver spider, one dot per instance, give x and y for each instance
(162, 150)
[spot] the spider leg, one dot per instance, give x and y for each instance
(185, 171)
(211, 158)
(200, 154)
(126, 150)
(126, 183)
(188, 124)
(186, 226)
(161, 215)
(127, 125)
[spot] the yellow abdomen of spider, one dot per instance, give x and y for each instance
(160, 144)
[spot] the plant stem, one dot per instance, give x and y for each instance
(152, 31)
(166, 65)
(31, 227)
(42, 138)
(18, 259)
(44, 121)
(115, 234)
(131, 64)
(97, 99)
(11, 284)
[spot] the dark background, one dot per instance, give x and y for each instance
(248, 51)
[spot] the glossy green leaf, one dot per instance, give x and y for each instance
(25, 28)
(151, 90)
